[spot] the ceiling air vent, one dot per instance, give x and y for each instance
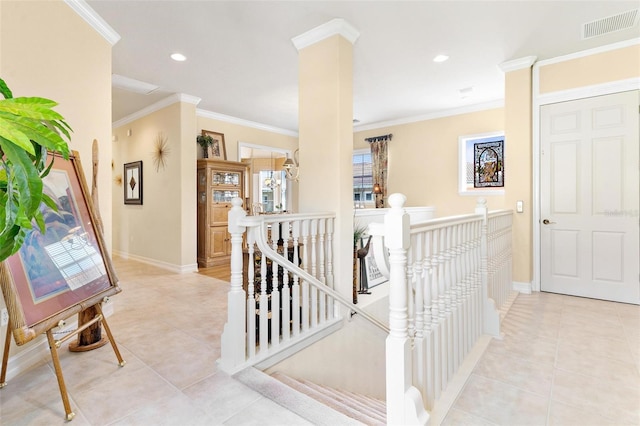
(621, 21)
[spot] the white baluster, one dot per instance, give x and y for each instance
(251, 296)
(295, 288)
(233, 349)
(404, 402)
(305, 265)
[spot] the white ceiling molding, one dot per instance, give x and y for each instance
(169, 100)
(94, 20)
(440, 114)
(243, 122)
(132, 85)
(589, 52)
(326, 30)
(517, 64)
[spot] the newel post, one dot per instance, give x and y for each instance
(404, 401)
(233, 349)
(491, 316)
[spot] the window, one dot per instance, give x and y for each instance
(362, 179)
(273, 190)
(466, 161)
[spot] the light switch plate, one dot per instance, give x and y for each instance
(519, 206)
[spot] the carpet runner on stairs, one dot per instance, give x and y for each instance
(362, 408)
(319, 405)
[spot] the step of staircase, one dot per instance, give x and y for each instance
(297, 402)
(362, 408)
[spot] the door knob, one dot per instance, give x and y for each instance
(547, 222)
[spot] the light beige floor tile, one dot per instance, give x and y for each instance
(535, 349)
(457, 417)
(536, 378)
(595, 364)
(172, 411)
(500, 403)
(264, 412)
(116, 397)
(184, 368)
(619, 403)
(609, 347)
(221, 397)
(565, 415)
(34, 398)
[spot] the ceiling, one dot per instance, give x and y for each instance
(241, 61)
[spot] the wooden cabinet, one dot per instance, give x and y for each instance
(218, 183)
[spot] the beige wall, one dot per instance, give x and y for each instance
(162, 229)
(614, 65)
(47, 50)
(518, 168)
(423, 159)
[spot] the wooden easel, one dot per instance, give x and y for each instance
(54, 345)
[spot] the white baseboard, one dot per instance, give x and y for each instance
(522, 287)
(180, 269)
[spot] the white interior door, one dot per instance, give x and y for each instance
(589, 208)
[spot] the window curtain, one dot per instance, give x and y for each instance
(379, 168)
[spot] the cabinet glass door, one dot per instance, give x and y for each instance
(224, 196)
(225, 178)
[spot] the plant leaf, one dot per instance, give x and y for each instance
(4, 89)
(26, 177)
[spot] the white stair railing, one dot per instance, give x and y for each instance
(442, 298)
(447, 277)
(281, 285)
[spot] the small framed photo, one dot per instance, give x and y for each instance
(133, 183)
(217, 150)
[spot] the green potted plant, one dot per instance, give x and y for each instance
(29, 130)
(205, 141)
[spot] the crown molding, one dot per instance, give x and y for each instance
(94, 20)
(431, 116)
(589, 52)
(517, 64)
(169, 100)
(235, 120)
(132, 85)
(326, 30)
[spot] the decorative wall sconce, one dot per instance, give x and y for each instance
(292, 166)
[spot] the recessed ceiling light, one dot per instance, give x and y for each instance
(440, 58)
(178, 57)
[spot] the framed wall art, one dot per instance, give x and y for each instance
(133, 183)
(488, 164)
(63, 271)
(217, 150)
(481, 163)
(374, 276)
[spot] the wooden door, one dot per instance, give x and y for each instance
(589, 208)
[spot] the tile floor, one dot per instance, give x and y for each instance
(563, 361)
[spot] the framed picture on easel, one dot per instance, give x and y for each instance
(61, 272)
(54, 273)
